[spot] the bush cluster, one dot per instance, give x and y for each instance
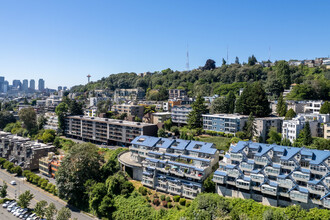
(216, 133)
(10, 167)
(143, 190)
(176, 198)
(182, 201)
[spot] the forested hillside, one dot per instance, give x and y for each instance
(313, 83)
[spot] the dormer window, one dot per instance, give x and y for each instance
(197, 146)
(160, 142)
(141, 140)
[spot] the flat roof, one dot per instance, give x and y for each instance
(111, 121)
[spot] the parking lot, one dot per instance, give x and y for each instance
(4, 214)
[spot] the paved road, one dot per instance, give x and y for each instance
(39, 194)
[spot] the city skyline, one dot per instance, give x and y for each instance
(109, 37)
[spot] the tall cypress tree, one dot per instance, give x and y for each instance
(281, 106)
(231, 99)
(195, 119)
(250, 127)
(307, 138)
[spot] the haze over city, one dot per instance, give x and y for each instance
(64, 41)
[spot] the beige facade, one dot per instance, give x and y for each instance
(130, 110)
(160, 117)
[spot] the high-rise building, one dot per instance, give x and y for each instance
(41, 85)
(59, 88)
(65, 88)
(17, 83)
(2, 83)
(25, 85)
(32, 84)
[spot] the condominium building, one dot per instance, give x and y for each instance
(180, 113)
(49, 165)
(275, 175)
(160, 117)
(104, 130)
(128, 94)
(173, 166)
(313, 107)
(130, 110)
(263, 126)
(176, 93)
(228, 123)
(22, 151)
(52, 121)
(292, 128)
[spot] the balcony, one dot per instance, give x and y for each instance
(162, 188)
(284, 194)
(243, 184)
(256, 188)
(269, 190)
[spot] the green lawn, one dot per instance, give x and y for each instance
(222, 143)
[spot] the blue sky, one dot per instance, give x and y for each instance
(63, 41)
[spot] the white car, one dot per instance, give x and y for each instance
(14, 209)
(31, 216)
(22, 214)
(13, 182)
(18, 212)
(6, 204)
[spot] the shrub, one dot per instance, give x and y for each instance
(162, 197)
(169, 205)
(44, 184)
(48, 187)
(182, 201)
(188, 203)
(164, 203)
(156, 196)
(148, 199)
(168, 199)
(156, 202)
(4, 200)
(143, 191)
(176, 198)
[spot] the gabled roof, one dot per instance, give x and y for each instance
(164, 143)
(203, 147)
(179, 144)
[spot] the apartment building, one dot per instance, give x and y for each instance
(104, 130)
(172, 166)
(313, 107)
(130, 110)
(176, 93)
(292, 128)
(263, 126)
(160, 117)
(275, 175)
(49, 165)
(180, 113)
(128, 94)
(22, 151)
(228, 123)
(326, 131)
(52, 121)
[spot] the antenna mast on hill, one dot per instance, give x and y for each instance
(269, 53)
(88, 76)
(227, 55)
(187, 63)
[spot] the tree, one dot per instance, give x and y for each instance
(208, 184)
(50, 211)
(273, 86)
(219, 105)
(250, 127)
(76, 108)
(282, 70)
(29, 118)
(106, 207)
(41, 121)
(290, 114)
(274, 136)
(168, 124)
(223, 62)
(161, 133)
(281, 106)
(175, 130)
(253, 100)
(6, 118)
(285, 142)
(80, 164)
(307, 137)
(231, 100)
(325, 108)
(195, 116)
(98, 192)
(252, 60)
(61, 111)
(48, 136)
(24, 199)
(40, 208)
(236, 60)
(3, 190)
(209, 65)
(63, 214)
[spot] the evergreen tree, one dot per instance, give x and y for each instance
(209, 65)
(281, 106)
(231, 100)
(253, 100)
(219, 105)
(290, 114)
(307, 137)
(252, 60)
(325, 108)
(236, 60)
(282, 70)
(223, 62)
(274, 136)
(195, 119)
(250, 127)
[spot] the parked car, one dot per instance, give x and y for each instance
(22, 214)
(6, 204)
(26, 215)
(13, 182)
(9, 208)
(31, 216)
(18, 212)
(13, 210)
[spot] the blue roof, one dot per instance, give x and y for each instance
(306, 152)
(230, 166)
(246, 178)
(255, 171)
(203, 147)
(195, 158)
(227, 156)
(274, 184)
(171, 155)
(179, 144)
(326, 195)
(164, 143)
(302, 189)
(146, 173)
(152, 160)
(220, 173)
(305, 170)
(250, 161)
(239, 146)
(282, 176)
(145, 140)
(276, 165)
(314, 182)
(155, 153)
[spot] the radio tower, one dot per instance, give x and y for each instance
(88, 76)
(187, 63)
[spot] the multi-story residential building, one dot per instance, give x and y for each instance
(292, 128)
(275, 175)
(91, 111)
(173, 166)
(128, 94)
(52, 121)
(263, 126)
(180, 113)
(130, 110)
(326, 131)
(228, 123)
(41, 85)
(160, 117)
(176, 93)
(22, 151)
(313, 107)
(104, 130)
(49, 165)
(296, 106)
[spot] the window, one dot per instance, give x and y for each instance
(197, 146)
